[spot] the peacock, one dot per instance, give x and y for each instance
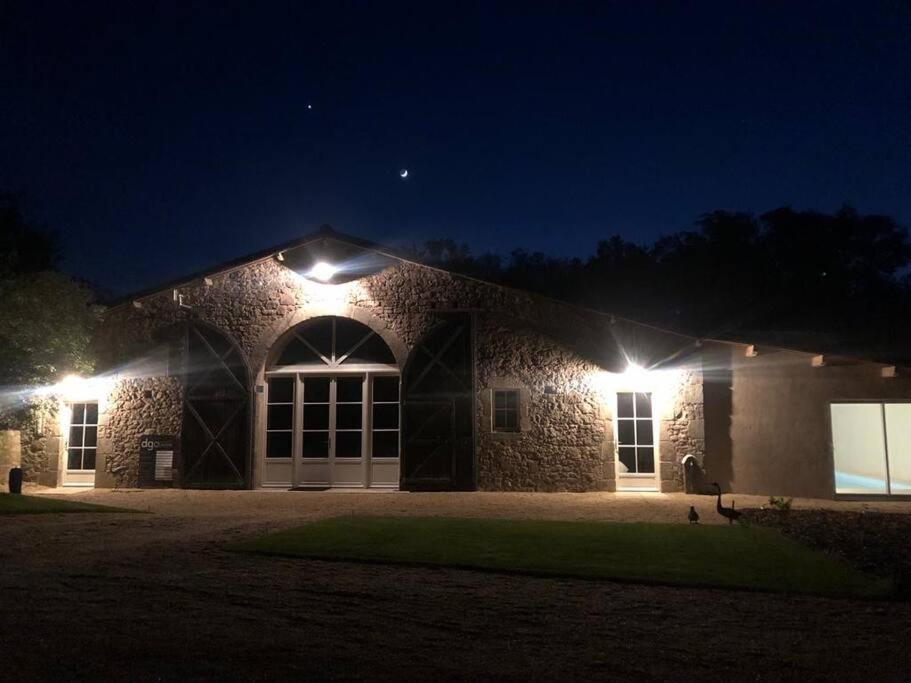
(730, 512)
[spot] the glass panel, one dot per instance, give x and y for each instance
(278, 445)
(91, 437)
(281, 390)
(512, 400)
(316, 417)
(624, 405)
(643, 405)
(644, 433)
(626, 432)
(298, 353)
(386, 416)
(78, 416)
(349, 389)
(385, 389)
(858, 448)
(91, 413)
(627, 460)
(88, 459)
(898, 436)
(374, 350)
(316, 390)
(74, 459)
(280, 417)
(347, 334)
(385, 444)
(499, 400)
(75, 436)
(348, 444)
(316, 444)
(646, 460)
(348, 416)
(319, 335)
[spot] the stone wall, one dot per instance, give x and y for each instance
(41, 442)
(682, 428)
(134, 407)
(531, 341)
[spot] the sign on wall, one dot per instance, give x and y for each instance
(156, 460)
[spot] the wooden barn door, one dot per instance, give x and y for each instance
(438, 445)
(214, 444)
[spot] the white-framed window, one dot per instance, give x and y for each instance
(871, 447)
(82, 440)
(635, 433)
(505, 410)
(279, 417)
(385, 392)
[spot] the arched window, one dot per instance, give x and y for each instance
(334, 342)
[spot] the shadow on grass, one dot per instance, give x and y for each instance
(740, 558)
(12, 504)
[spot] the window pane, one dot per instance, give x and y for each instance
(385, 388)
(512, 420)
(348, 389)
(278, 445)
(385, 444)
(91, 437)
(374, 350)
(75, 436)
(499, 400)
(74, 459)
(319, 335)
(298, 353)
(627, 460)
(512, 400)
(858, 447)
(316, 390)
(316, 417)
(646, 460)
(643, 405)
(280, 417)
(281, 390)
(88, 459)
(347, 334)
(626, 432)
(624, 405)
(386, 416)
(78, 414)
(91, 413)
(348, 444)
(316, 444)
(898, 431)
(644, 433)
(348, 416)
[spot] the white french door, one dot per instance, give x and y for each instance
(333, 430)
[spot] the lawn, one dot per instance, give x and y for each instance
(32, 505)
(751, 558)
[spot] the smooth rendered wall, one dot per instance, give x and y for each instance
(767, 418)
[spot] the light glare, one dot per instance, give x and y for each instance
(322, 271)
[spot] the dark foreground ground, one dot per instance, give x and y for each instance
(152, 597)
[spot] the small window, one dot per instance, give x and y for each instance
(83, 437)
(385, 417)
(506, 410)
(635, 433)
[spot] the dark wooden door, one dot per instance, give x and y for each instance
(215, 436)
(438, 445)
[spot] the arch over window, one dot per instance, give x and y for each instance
(334, 342)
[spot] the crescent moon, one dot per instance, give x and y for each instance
(404, 173)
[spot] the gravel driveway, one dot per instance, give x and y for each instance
(89, 596)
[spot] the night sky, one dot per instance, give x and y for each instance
(159, 140)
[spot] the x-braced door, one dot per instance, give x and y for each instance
(438, 447)
(215, 434)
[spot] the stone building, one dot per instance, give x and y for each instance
(333, 362)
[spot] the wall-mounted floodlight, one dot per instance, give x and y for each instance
(322, 271)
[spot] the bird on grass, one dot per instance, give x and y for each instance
(730, 512)
(693, 516)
